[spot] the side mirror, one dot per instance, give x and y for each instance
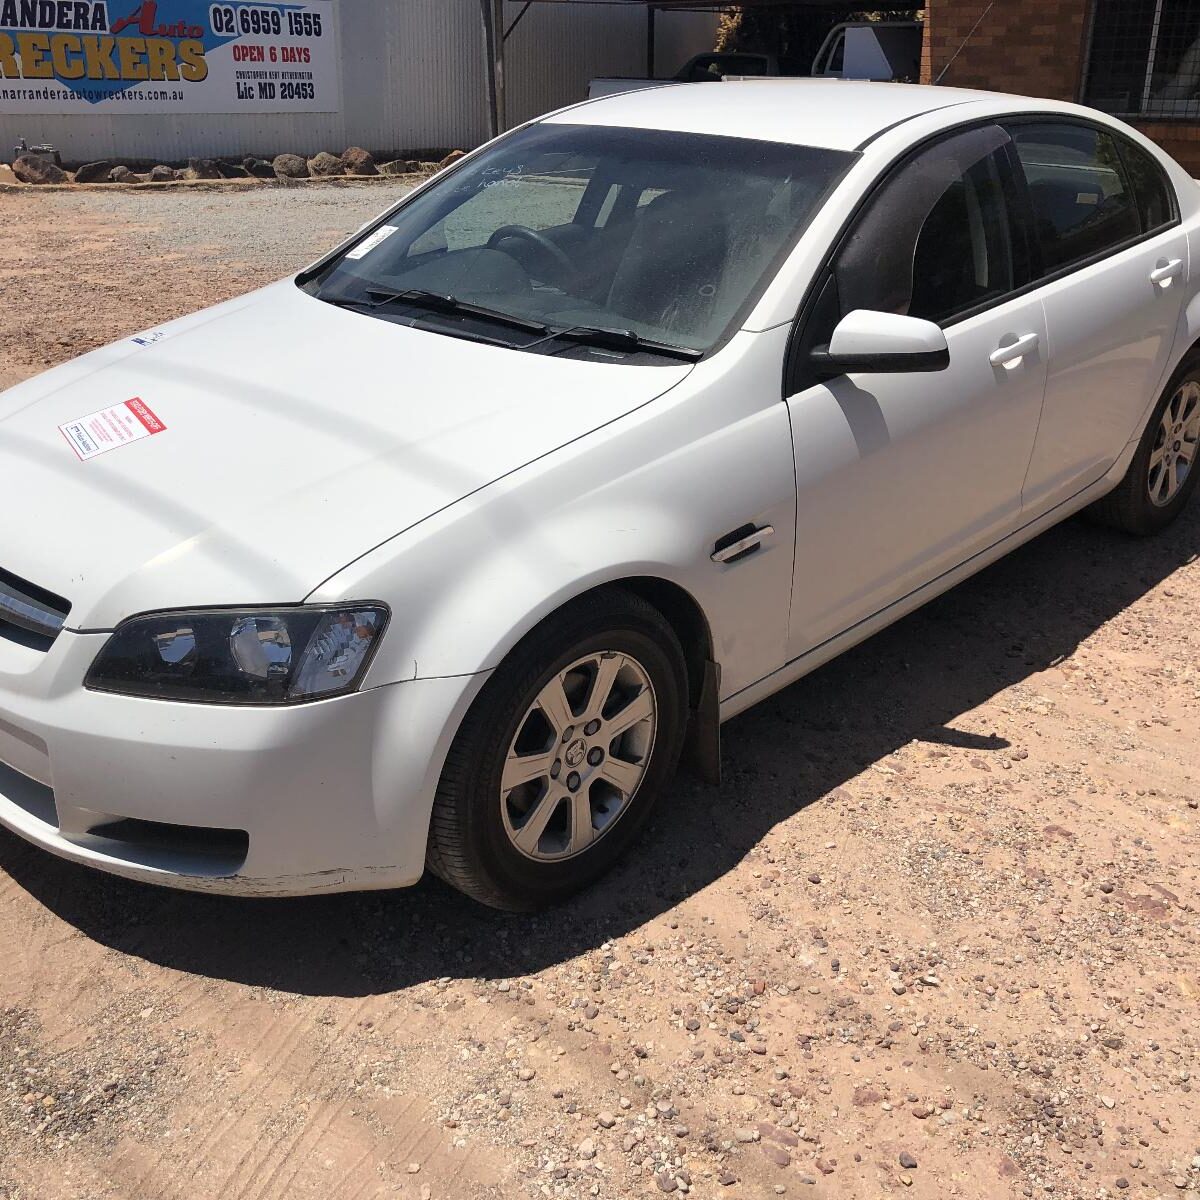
(882, 342)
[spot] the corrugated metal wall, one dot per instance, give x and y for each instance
(412, 78)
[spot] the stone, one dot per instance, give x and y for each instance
(907, 1161)
(324, 164)
(289, 166)
(606, 1120)
(451, 159)
(259, 168)
(231, 170)
(202, 168)
(162, 174)
(745, 1134)
(587, 1148)
(97, 172)
(777, 1154)
(525, 1074)
(399, 166)
(357, 161)
(28, 168)
(122, 175)
(727, 1179)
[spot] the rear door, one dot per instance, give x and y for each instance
(901, 477)
(1109, 246)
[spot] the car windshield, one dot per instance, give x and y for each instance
(666, 236)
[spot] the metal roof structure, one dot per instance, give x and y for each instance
(496, 32)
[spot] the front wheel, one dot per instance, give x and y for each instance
(562, 756)
(1164, 471)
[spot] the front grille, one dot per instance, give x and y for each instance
(30, 615)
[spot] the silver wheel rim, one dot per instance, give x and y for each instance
(578, 757)
(1175, 447)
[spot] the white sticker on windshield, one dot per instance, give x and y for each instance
(149, 337)
(368, 244)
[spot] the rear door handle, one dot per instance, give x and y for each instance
(744, 543)
(1166, 271)
(1009, 356)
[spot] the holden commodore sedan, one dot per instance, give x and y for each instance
(448, 550)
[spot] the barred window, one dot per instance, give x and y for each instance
(1144, 58)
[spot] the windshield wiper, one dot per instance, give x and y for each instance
(437, 302)
(622, 339)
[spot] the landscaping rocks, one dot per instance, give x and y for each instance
(357, 161)
(259, 168)
(290, 166)
(324, 164)
(28, 168)
(162, 174)
(122, 175)
(203, 168)
(97, 172)
(400, 166)
(451, 159)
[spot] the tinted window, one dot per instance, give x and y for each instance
(1082, 203)
(1151, 187)
(935, 240)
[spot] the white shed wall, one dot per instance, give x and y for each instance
(412, 77)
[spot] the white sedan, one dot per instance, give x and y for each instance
(448, 549)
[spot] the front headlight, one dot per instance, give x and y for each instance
(241, 656)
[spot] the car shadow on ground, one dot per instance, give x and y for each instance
(913, 681)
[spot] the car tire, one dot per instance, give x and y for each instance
(1145, 500)
(613, 658)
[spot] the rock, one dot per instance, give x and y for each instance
(259, 168)
(357, 161)
(324, 164)
(666, 1183)
(122, 175)
(727, 1179)
(451, 159)
(28, 168)
(907, 1161)
(922, 1111)
(97, 172)
(814, 878)
(289, 166)
(1122, 1183)
(231, 170)
(525, 1074)
(162, 174)
(399, 166)
(1107, 888)
(777, 1154)
(414, 1168)
(606, 1120)
(745, 1134)
(587, 1148)
(202, 168)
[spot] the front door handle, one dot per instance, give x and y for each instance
(1008, 356)
(1166, 271)
(745, 541)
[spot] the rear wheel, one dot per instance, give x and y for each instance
(1164, 471)
(561, 758)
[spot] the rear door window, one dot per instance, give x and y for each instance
(1083, 203)
(1151, 188)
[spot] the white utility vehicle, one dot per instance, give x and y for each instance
(445, 550)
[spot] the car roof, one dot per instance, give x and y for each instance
(835, 114)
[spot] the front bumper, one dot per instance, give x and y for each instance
(329, 796)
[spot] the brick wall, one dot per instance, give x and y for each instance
(1032, 47)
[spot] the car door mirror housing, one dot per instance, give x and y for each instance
(882, 342)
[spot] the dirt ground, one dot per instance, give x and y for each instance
(936, 934)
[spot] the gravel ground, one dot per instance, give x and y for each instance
(935, 935)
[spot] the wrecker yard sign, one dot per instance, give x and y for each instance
(167, 56)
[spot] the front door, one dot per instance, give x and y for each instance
(901, 477)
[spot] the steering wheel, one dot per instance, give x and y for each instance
(537, 239)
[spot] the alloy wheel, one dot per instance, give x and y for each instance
(1175, 448)
(579, 756)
